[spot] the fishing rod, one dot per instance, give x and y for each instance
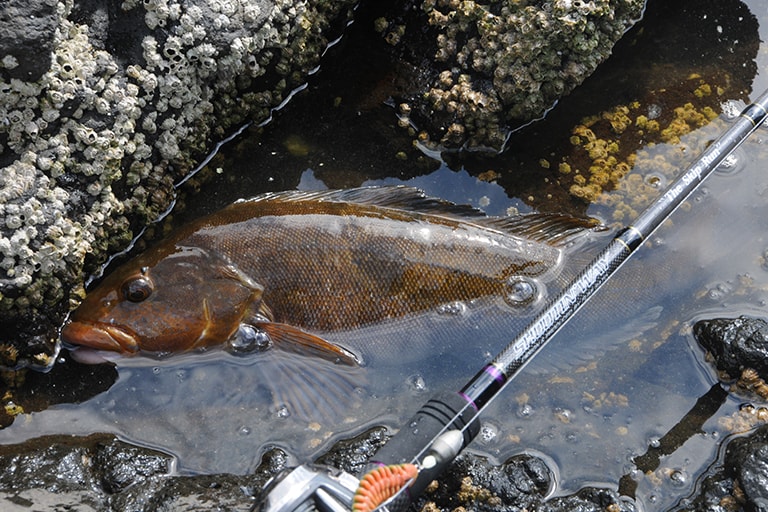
(447, 423)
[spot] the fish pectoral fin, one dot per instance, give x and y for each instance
(292, 339)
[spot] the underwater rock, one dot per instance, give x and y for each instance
(104, 106)
(488, 67)
(742, 481)
(736, 344)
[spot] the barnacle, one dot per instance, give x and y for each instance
(515, 59)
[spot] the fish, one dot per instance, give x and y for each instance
(285, 270)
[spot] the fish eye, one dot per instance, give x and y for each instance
(137, 289)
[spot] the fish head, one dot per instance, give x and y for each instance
(173, 302)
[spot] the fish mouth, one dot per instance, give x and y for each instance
(100, 337)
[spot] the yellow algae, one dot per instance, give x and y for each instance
(489, 176)
(619, 119)
(544, 163)
(751, 381)
(12, 409)
(703, 90)
(612, 146)
(745, 419)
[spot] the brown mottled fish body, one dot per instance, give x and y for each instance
(296, 263)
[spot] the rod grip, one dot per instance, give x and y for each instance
(449, 409)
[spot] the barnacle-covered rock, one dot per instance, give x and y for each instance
(103, 107)
(502, 63)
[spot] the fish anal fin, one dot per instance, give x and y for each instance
(292, 339)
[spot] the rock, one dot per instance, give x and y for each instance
(735, 344)
(742, 482)
(66, 471)
(27, 39)
(104, 106)
(474, 483)
(99, 472)
(487, 67)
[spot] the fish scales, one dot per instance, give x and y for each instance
(298, 265)
(327, 272)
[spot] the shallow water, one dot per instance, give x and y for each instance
(621, 375)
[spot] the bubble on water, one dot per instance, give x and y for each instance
(678, 478)
(563, 415)
(416, 383)
(656, 180)
(718, 291)
(525, 411)
(452, 308)
(282, 412)
(732, 108)
(654, 442)
(156, 370)
(244, 430)
(520, 291)
(731, 164)
(249, 339)
(488, 432)
(654, 111)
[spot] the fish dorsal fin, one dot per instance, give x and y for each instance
(551, 228)
(400, 197)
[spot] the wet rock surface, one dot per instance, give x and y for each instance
(735, 343)
(739, 350)
(99, 472)
(742, 482)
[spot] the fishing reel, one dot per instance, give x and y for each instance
(397, 473)
(309, 488)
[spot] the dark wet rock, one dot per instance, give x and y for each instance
(589, 499)
(474, 483)
(735, 344)
(742, 481)
(27, 38)
(353, 454)
(99, 472)
(65, 470)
